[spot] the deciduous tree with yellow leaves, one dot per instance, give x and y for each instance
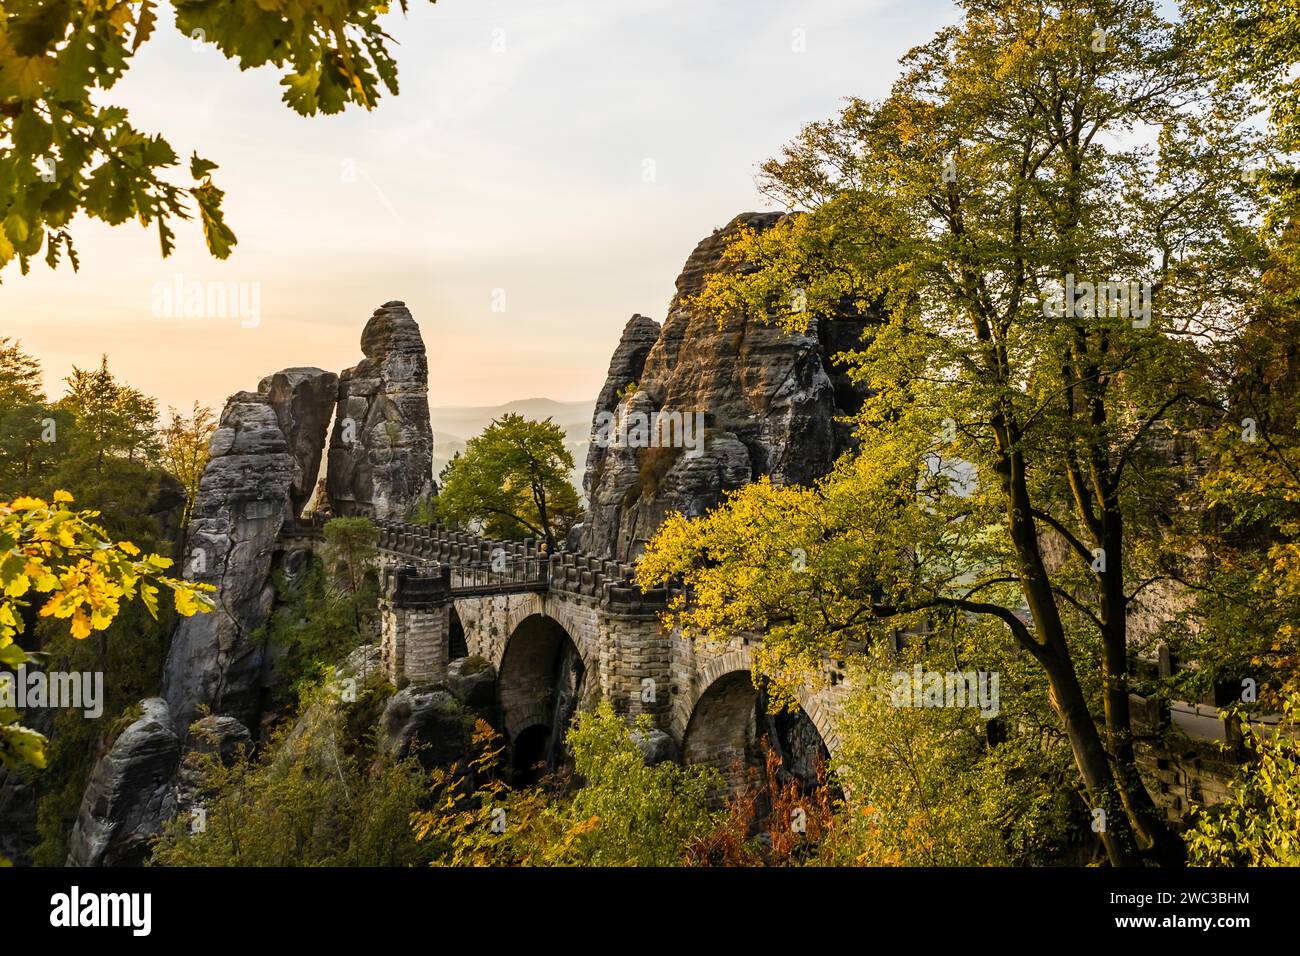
(58, 562)
(1014, 465)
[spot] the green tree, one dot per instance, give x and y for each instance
(112, 420)
(627, 813)
(29, 428)
(1242, 622)
(513, 482)
(184, 450)
(926, 787)
(1010, 467)
(1255, 43)
(1248, 586)
(352, 544)
(316, 621)
(65, 149)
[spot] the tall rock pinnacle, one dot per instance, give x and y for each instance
(264, 453)
(381, 448)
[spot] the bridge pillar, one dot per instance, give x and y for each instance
(415, 623)
(635, 654)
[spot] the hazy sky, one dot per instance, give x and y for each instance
(521, 170)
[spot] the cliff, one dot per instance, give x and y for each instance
(767, 399)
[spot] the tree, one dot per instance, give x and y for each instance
(28, 427)
(185, 450)
(627, 813)
(1243, 623)
(1255, 43)
(929, 787)
(1011, 466)
(50, 549)
(353, 545)
(20, 375)
(513, 482)
(65, 149)
(112, 419)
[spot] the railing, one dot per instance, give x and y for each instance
(483, 566)
(517, 574)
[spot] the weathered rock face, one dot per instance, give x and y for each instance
(656, 746)
(246, 495)
(381, 448)
(625, 368)
(769, 398)
(473, 681)
(129, 795)
(303, 400)
(266, 455)
(426, 720)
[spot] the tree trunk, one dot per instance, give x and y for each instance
(1155, 838)
(1053, 653)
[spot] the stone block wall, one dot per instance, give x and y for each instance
(413, 642)
(627, 655)
(636, 658)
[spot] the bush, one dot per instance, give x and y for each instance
(924, 786)
(1259, 825)
(306, 801)
(623, 814)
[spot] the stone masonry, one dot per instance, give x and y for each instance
(514, 603)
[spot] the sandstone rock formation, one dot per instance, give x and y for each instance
(474, 682)
(770, 400)
(656, 746)
(264, 453)
(129, 795)
(303, 399)
(381, 448)
(625, 368)
(425, 720)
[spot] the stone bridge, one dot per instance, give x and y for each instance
(536, 617)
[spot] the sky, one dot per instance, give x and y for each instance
(543, 174)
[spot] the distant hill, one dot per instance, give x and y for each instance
(453, 425)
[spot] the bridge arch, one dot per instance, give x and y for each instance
(457, 646)
(541, 678)
(722, 721)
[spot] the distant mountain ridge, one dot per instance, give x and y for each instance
(454, 425)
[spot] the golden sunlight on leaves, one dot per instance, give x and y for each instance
(51, 549)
